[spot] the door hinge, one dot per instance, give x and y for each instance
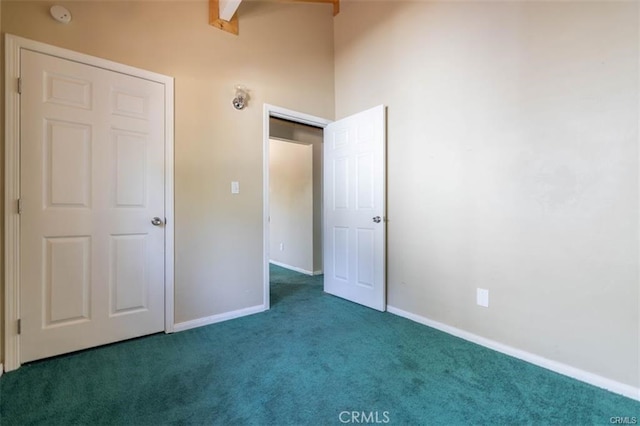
(19, 205)
(19, 86)
(19, 326)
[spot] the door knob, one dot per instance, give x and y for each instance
(156, 221)
(377, 219)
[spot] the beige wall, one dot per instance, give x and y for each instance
(512, 166)
(284, 55)
(291, 204)
(314, 136)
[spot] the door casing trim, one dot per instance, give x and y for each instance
(13, 46)
(296, 117)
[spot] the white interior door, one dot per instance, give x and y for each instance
(354, 208)
(92, 180)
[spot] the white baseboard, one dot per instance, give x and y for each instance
(182, 326)
(558, 367)
(293, 268)
(320, 272)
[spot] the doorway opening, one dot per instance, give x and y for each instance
(295, 196)
(292, 192)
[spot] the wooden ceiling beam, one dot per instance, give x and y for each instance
(231, 26)
(223, 14)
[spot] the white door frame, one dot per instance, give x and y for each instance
(13, 46)
(296, 117)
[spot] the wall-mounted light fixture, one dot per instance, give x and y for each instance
(60, 14)
(241, 98)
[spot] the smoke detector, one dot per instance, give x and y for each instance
(60, 14)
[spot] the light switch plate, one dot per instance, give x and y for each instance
(482, 297)
(235, 187)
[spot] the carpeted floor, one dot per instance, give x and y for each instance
(313, 359)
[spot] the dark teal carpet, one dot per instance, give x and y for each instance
(309, 358)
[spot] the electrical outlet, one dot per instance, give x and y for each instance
(281, 246)
(482, 297)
